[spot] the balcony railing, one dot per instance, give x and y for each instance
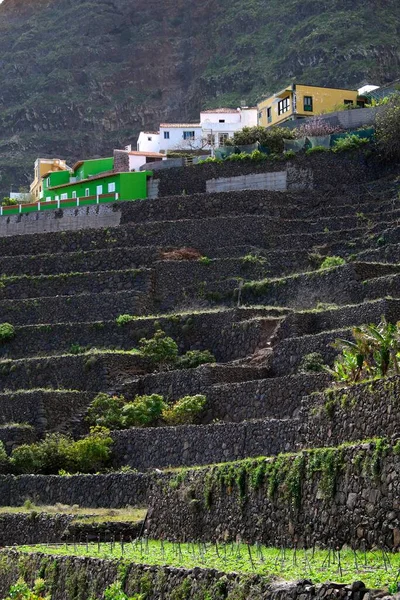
(17, 209)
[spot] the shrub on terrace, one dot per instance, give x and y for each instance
(373, 353)
(388, 128)
(194, 358)
(185, 411)
(143, 411)
(4, 463)
(105, 411)
(271, 138)
(350, 142)
(312, 362)
(59, 452)
(161, 349)
(7, 332)
(332, 261)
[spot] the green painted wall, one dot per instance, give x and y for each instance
(94, 167)
(133, 185)
(129, 186)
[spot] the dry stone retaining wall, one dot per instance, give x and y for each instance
(89, 577)
(354, 504)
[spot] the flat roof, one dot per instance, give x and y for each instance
(177, 125)
(220, 110)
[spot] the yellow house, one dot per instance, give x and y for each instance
(42, 167)
(297, 101)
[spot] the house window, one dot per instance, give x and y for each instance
(87, 192)
(166, 135)
(111, 188)
(57, 198)
(99, 190)
(308, 104)
(48, 182)
(347, 102)
(149, 139)
(283, 106)
(74, 194)
(188, 135)
(48, 199)
(64, 196)
(222, 120)
(269, 115)
(222, 138)
(361, 103)
(210, 139)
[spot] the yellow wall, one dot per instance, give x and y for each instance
(323, 100)
(43, 166)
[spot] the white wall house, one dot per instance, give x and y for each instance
(220, 124)
(180, 136)
(148, 141)
(215, 127)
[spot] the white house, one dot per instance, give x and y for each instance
(220, 124)
(215, 127)
(148, 141)
(181, 136)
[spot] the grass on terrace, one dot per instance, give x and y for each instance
(81, 514)
(376, 569)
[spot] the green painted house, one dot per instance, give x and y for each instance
(95, 178)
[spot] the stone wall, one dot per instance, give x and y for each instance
(260, 181)
(45, 410)
(303, 173)
(330, 497)
(13, 435)
(75, 283)
(228, 334)
(33, 528)
(352, 413)
(114, 490)
(90, 307)
(295, 339)
(83, 578)
(89, 372)
(188, 445)
(64, 219)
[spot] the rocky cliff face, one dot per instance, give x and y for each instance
(80, 78)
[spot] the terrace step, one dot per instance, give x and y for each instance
(81, 307)
(45, 409)
(91, 372)
(220, 331)
(201, 234)
(189, 445)
(73, 284)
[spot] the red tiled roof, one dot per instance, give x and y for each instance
(150, 154)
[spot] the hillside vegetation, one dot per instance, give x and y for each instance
(80, 78)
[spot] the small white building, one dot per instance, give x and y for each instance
(215, 127)
(138, 159)
(148, 141)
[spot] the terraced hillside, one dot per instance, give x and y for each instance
(252, 292)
